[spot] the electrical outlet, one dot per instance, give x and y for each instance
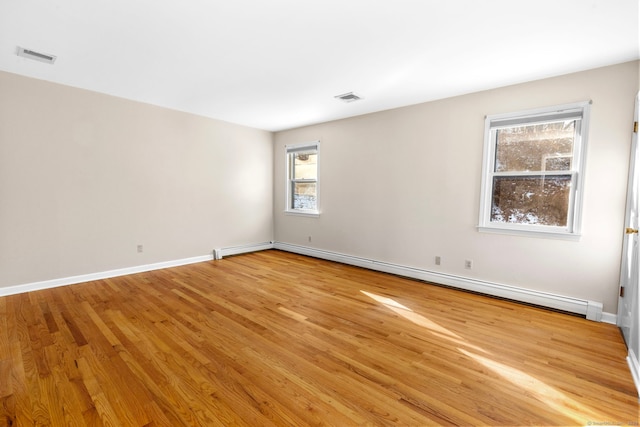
(438, 260)
(309, 238)
(140, 249)
(468, 264)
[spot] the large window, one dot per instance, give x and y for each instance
(533, 171)
(302, 178)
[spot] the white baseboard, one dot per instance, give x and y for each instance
(609, 318)
(216, 254)
(591, 309)
(634, 367)
(47, 284)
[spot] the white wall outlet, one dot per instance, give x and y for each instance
(140, 249)
(468, 264)
(438, 259)
(309, 238)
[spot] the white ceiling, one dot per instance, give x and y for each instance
(278, 64)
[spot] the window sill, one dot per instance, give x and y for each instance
(530, 233)
(312, 214)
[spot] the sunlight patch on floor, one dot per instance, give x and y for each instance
(533, 387)
(389, 302)
(420, 320)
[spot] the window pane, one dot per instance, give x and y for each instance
(305, 165)
(304, 196)
(542, 200)
(536, 147)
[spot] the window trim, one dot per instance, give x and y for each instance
(580, 111)
(294, 148)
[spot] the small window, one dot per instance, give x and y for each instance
(302, 178)
(533, 171)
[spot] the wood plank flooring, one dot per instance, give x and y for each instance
(272, 338)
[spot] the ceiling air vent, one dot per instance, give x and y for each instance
(348, 97)
(37, 56)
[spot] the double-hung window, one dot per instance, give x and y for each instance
(302, 178)
(533, 171)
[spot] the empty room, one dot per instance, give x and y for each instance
(344, 213)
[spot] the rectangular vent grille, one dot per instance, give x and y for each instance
(348, 97)
(37, 56)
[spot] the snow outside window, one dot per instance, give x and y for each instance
(533, 171)
(302, 178)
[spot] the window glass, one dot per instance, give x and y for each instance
(305, 196)
(305, 166)
(542, 200)
(534, 147)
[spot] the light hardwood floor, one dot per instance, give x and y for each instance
(272, 338)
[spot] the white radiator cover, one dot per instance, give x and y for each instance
(591, 309)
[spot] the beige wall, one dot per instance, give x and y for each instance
(418, 172)
(85, 178)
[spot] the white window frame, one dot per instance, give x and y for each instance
(313, 146)
(576, 111)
